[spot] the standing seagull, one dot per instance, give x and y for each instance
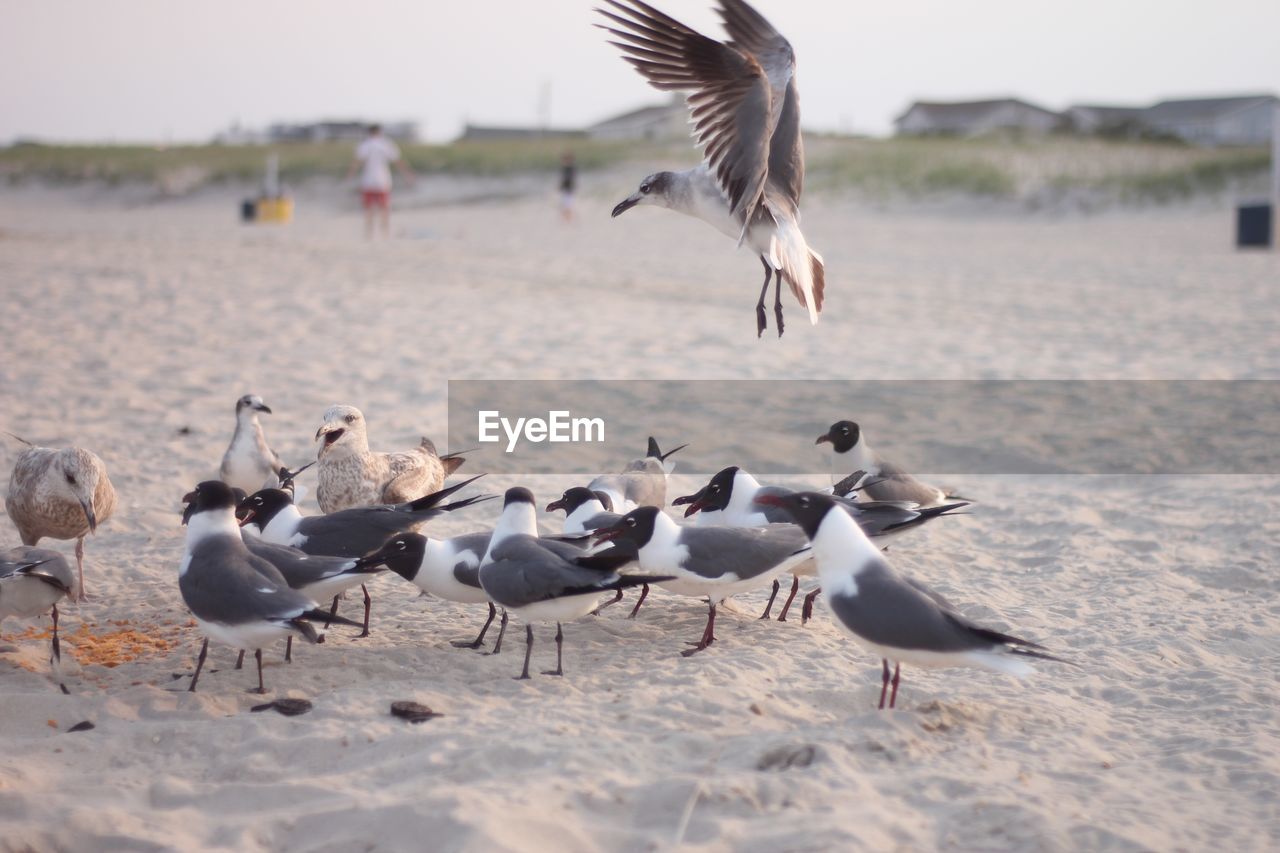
(33, 580)
(882, 480)
(746, 116)
(61, 494)
(642, 483)
(250, 463)
(237, 598)
(351, 533)
(353, 475)
(731, 498)
(445, 568)
(547, 581)
(715, 562)
(898, 619)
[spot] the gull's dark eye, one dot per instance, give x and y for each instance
(351, 419)
(71, 479)
(631, 522)
(401, 544)
(844, 430)
(644, 188)
(804, 502)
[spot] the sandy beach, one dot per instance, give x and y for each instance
(132, 325)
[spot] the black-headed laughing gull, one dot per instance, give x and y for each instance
(896, 618)
(543, 580)
(746, 116)
(715, 562)
(445, 568)
(32, 581)
(350, 533)
(882, 480)
(236, 598)
(730, 499)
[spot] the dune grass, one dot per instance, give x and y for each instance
(994, 168)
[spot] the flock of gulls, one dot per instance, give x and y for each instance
(255, 570)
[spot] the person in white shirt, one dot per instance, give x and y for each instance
(374, 157)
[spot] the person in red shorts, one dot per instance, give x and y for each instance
(374, 158)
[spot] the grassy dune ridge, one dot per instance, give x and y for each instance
(997, 168)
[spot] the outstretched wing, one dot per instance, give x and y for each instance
(751, 33)
(731, 97)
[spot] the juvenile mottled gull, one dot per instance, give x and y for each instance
(746, 116)
(896, 618)
(353, 475)
(59, 494)
(33, 580)
(250, 463)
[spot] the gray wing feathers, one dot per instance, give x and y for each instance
(745, 552)
(890, 611)
(225, 583)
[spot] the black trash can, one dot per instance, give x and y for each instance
(1253, 225)
(248, 210)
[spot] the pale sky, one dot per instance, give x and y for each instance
(173, 70)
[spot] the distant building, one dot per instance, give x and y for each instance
(654, 124)
(339, 131)
(1105, 120)
(975, 118)
(1241, 120)
(485, 133)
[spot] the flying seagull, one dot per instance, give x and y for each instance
(350, 474)
(896, 618)
(59, 494)
(745, 111)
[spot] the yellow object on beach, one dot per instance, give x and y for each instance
(275, 210)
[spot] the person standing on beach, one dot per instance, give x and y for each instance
(568, 183)
(374, 158)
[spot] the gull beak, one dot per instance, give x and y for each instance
(823, 439)
(770, 500)
(262, 407)
(91, 515)
(626, 204)
(247, 517)
(608, 534)
(555, 505)
(331, 433)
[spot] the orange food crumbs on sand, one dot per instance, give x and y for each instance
(53, 724)
(88, 644)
